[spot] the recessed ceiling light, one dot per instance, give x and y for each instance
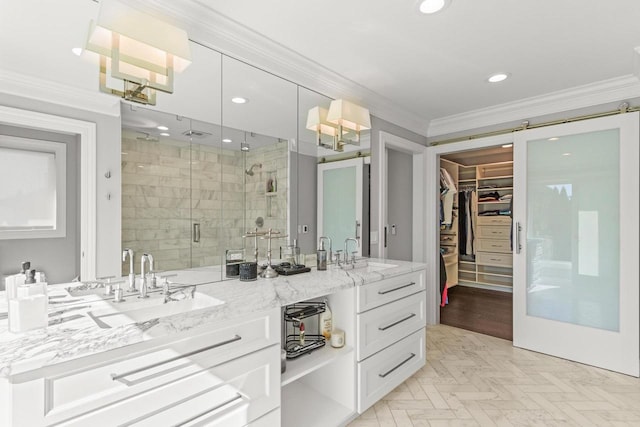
(162, 128)
(77, 51)
(165, 134)
(498, 77)
(432, 6)
(507, 146)
(566, 154)
(226, 140)
(555, 138)
(239, 100)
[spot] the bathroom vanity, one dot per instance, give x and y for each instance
(218, 363)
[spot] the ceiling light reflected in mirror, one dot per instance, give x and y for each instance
(429, 7)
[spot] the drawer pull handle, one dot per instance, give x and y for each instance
(397, 366)
(396, 289)
(397, 322)
(208, 411)
(121, 377)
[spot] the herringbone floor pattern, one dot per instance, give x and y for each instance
(477, 380)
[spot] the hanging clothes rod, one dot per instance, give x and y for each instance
(622, 109)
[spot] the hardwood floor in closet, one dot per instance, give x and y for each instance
(479, 310)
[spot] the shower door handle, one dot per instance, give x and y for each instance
(357, 230)
(518, 229)
(196, 232)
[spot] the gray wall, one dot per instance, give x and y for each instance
(400, 205)
(378, 125)
(57, 257)
(107, 159)
(307, 201)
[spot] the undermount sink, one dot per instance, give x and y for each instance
(363, 265)
(135, 309)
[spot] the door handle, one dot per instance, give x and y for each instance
(357, 230)
(518, 242)
(196, 232)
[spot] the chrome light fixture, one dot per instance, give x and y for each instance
(349, 116)
(138, 49)
(317, 122)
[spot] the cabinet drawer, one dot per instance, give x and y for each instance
(502, 233)
(488, 258)
(387, 369)
(491, 245)
(381, 327)
(231, 394)
(75, 391)
(378, 293)
(494, 220)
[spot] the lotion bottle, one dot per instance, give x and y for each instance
(326, 321)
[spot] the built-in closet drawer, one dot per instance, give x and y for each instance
(376, 294)
(385, 325)
(490, 245)
(497, 259)
(493, 232)
(77, 387)
(494, 220)
(231, 394)
(387, 369)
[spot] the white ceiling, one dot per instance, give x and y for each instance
(436, 65)
(408, 68)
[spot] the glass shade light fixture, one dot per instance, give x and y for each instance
(140, 50)
(348, 117)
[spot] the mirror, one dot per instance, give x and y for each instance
(192, 188)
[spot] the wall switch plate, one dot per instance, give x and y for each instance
(373, 237)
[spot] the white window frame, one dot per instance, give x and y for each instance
(59, 150)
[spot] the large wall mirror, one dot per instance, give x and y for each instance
(192, 188)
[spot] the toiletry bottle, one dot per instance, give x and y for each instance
(28, 310)
(326, 321)
(321, 257)
(301, 333)
(12, 282)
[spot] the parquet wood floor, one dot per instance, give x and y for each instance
(472, 379)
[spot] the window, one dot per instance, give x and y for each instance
(32, 188)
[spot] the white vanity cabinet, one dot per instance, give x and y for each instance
(226, 377)
(390, 325)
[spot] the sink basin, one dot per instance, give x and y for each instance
(363, 265)
(134, 309)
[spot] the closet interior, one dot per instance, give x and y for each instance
(476, 189)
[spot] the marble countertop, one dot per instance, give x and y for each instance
(78, 335)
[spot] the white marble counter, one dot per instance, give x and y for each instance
(82, 337)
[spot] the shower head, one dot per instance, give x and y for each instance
(250, 170)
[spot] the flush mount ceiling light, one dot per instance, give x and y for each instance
(140, 50)
(239, 100)
(507, 145)
(165, 134)
(498, 77)
(227, 141)
(162, 127)
(348, 117)
(429, 7)
(77, 51)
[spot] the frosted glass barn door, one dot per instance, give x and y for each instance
(340, 202)
(576, 242)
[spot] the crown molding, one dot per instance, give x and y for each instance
(25, 86)
(611, 90)
(216, 31)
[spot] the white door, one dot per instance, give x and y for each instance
(576, 242)
(340, 202)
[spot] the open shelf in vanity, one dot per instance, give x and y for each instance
(315, 391)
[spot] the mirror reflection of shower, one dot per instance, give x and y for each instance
(250, 170)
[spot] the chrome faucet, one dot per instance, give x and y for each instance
(330, 254)
(346, 248)
(132, 275)
(144, 285)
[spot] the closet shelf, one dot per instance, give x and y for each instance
(494, 189)
(495, 177)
